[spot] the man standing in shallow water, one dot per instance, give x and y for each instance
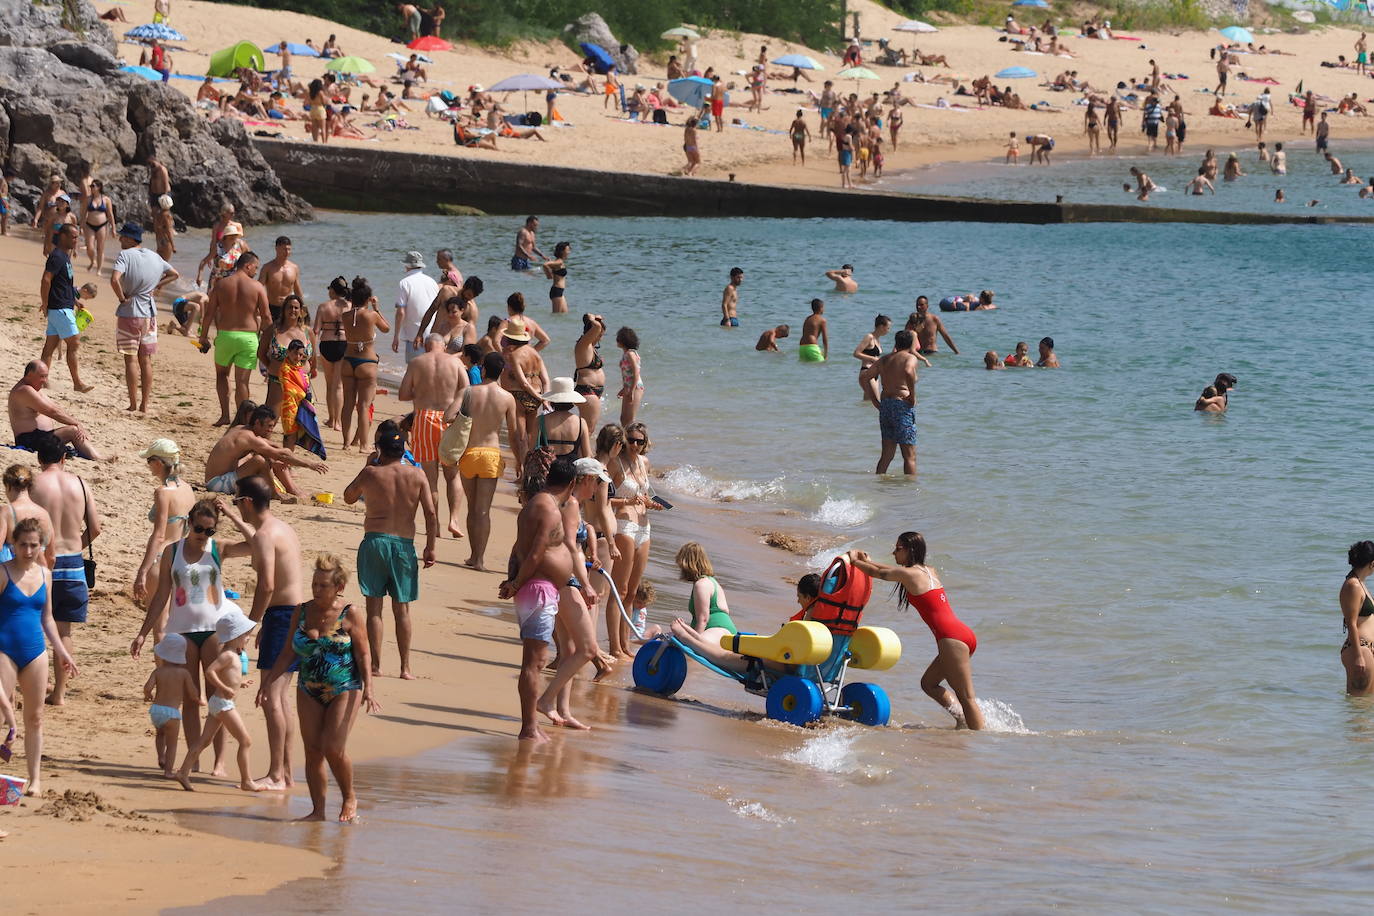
(729, 300)
(925, 326)
(525, 247)
(814, 329)
(896, 403)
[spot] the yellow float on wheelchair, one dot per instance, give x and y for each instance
(874, 648)
(799, 642)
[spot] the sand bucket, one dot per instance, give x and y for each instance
(324, 499)
(11, 789)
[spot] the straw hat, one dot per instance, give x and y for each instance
(232, 228)
(232, 624)
(561, 392)
(172, 649)
(164, 449)
(516, 329)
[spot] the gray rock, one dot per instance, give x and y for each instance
(39, 23)
(592, 29)
(85, 56)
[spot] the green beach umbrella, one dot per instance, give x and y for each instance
(680, 32)
(243, 54)
(856, 74)
(350, 65)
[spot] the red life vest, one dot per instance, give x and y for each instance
(845, 591)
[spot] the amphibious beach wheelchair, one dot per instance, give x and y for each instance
(800, 669)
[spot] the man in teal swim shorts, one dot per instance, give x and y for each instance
(392, 490)
(238, 310)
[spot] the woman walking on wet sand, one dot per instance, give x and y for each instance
(690, 145)
(954, 641)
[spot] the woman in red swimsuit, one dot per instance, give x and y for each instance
(954, 641)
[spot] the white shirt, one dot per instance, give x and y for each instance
(416, 295)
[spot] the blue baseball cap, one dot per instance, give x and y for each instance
(133, 231)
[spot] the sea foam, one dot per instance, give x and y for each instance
(688, 479)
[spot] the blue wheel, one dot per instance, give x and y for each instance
(664, 676)
(868, 703)
(795, 700)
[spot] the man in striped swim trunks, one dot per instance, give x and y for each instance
(435, 381)
(138, 276)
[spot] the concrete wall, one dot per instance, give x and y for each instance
(369, 178)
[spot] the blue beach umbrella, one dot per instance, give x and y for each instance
(148, 73)
(1014, 73)
(298, 50)
(691, 90)
(604, 61)
(800, 61)
(153, 30)
(1236, 33)
(1037, 3)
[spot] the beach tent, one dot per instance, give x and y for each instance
(1015, 73)
(298, 50)
(243, 54)
(146, 33)
(1236, 33)
(350, 65)
(914, 25)
(429, 43)
(800, 61)
(148, 73)
(526, 83)
(603, 59)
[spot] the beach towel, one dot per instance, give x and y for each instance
(298, 413)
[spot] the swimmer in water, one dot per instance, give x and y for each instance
(1210, 401)
(992, 361)
(1144, 184)
(1279, 198)
(1020, 359)
(1197, 185)
(1351, 177)
(729, 299)
(1048, 358)
(768, 340)
(844, 279)
(1232, 170)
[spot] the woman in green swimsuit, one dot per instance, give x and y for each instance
(706, 605)
(330, 639)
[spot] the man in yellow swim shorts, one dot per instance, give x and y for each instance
(489, 406)
(238, 310)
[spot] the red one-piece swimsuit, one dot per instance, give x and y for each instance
(934, 609)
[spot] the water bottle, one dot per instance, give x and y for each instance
(641, 617)
(243, 661)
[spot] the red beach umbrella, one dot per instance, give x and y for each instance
(430, 43)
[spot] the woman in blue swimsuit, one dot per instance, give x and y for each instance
(26, 629)
(330, 640)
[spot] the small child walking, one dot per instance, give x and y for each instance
(223, 679)
(1013, 150)
(167, 688)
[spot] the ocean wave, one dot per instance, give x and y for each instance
(690, 480)
(757, 811)
(840, 512)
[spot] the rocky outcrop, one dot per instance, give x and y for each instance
(65, 110)
(592, 29)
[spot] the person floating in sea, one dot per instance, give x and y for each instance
(814, 329)
(955, 643)
(768, 340)
(896, 403)
(843, 279)
(729, 299)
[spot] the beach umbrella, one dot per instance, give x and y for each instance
(350, 65)
(1236, 33)
(604, 61)
(153, 30)
(680, 32)
(914, 25)
(800, 61)
(1038, 3)
(244, 54)
(298, 50)
(1014, 73)
(148, 73)
(691, 90)
(402, 58)
(856, 74)
(526, 83)
(429, 43)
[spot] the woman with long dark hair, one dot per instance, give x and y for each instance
(954, 642)
(1357, 609)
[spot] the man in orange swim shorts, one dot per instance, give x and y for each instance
(435, 380)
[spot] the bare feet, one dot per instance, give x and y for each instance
(250, 786)
(472, 563)
(185, 780)
(222, 421)
(406, 675)
(349, 812)
(54, 700)
(34, 789)
(552, 715)
(219, 770)
(570, 722)
(537, 735)
(268, 784)
(603, 668)
(454, 530)
(312, 816)
(85, 389)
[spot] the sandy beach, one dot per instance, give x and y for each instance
(758, 149)
(98, 790)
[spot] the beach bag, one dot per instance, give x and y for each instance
(454, 441)
(534, 118)
(660, 116)
(89, 562)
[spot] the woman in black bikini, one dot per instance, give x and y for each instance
(99, 215)
(330, 336)
(292, 325)
(868, 351)
(560, 430)
(1357, 655)
(590, 375)
(361, 324)
(557, 271)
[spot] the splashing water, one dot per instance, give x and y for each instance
(1000, 717)
(757, 811)
(832, 752)
(842, 513)
(689, 480)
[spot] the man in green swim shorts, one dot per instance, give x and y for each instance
(814, 329)
(238, 311)
(392, 491)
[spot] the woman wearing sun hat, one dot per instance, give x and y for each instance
(172, 502)
(562, 431)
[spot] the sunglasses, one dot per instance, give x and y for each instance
(199, 530)
(636, 441)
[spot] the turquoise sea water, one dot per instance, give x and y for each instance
(1154, 590)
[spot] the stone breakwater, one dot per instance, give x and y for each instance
(66, 110)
